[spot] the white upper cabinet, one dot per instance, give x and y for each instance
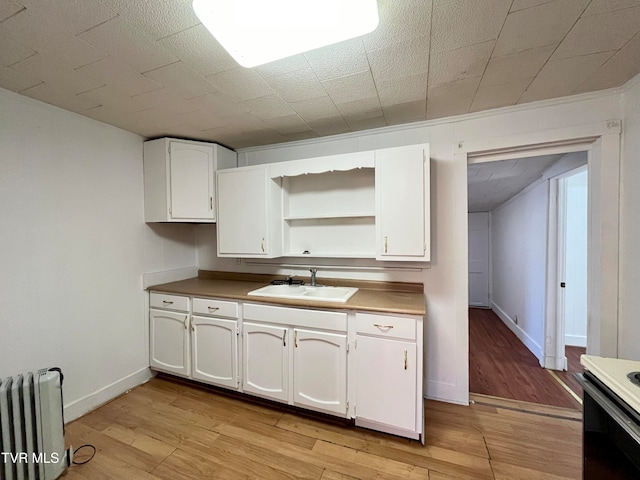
(179, 179)
(402, 203)
(372, 204)
(248, 204)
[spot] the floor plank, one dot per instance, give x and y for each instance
(501, 366)
(169, 430)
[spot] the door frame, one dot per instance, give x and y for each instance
(556, 266)
(601, 140)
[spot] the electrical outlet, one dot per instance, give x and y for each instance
(515, 319)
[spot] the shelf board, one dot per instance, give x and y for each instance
(329, 255)
(330, 216)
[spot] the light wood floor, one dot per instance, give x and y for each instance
(501, 366)
(172, 430)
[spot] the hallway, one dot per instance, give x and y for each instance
(501, 366)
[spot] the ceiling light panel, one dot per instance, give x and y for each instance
(255, 32)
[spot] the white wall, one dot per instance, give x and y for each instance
(518, 258)
(74, 247)
(629, 303)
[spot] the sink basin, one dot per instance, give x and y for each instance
(306, 292)
(279, 290)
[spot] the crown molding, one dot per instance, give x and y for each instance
(611, 92)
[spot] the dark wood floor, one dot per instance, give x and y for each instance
(501, 366)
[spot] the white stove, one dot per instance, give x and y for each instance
(611, 418)
(614, 373)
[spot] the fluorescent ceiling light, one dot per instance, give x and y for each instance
(261, 31)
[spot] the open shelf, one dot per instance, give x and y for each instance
(329, 216)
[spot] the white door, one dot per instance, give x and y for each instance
(320, 370)
(575, 260)
(214, 346)
(169, 336)
(243, 212)
(266, 361)
(401, 186)
(191, 174)
(386, 381)
(479, 259)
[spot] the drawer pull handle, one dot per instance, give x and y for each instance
(383, 327)
(295, 338)
(386, 245)
(284, 338)
(186, 317)
(192, 327)
(213, 309)
(165, 302)
(405, 359)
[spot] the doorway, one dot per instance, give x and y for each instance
(507, 343)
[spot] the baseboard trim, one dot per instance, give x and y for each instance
(84, 405)
(524, 337)
(575, 340)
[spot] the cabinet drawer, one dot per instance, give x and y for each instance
(171, 302)
(386, 326)
(297, 317)
(217, 308)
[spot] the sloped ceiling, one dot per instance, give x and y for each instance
(150, 67)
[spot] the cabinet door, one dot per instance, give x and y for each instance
(266, 361)
(214, 346)
(386, 381)
(320, 370)
(243, 212)
(402, 203)
(191, 181)
(169, 338)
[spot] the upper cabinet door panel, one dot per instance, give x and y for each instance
(191, 173)
(402, 203)
(243, 212)
(179, 183)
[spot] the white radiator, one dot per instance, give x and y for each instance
(32, 427)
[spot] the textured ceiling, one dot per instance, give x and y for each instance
(493, 183)
(150, 67)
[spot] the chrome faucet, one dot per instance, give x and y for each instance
(313, 276)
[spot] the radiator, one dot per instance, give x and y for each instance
(32, 426)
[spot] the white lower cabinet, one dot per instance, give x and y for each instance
(200, 342)
(169, 333)
(320, 370)
(297, 356)
(169, 336)
(265, 361)
(388, 374)
(386, 381)
(214, 343)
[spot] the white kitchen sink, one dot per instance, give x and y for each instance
(306, 292)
